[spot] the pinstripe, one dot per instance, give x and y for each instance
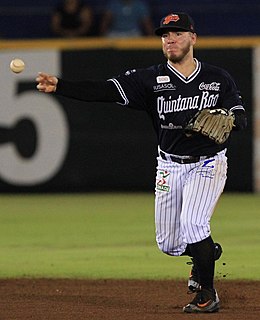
(197, 212)
(167, 211)
(183, 214)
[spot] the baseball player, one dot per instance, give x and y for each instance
(194, 108)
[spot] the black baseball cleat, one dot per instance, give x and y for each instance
(193, 282)
(205, 301)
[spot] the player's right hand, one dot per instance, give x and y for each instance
(46, 82)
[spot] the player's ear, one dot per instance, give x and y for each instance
(194, 37)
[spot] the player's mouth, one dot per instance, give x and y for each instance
(171, 49)
(172, 53)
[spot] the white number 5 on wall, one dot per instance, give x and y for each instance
(42, 110)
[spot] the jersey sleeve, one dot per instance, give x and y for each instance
(232, 99)
(132, 89)
(88, 90)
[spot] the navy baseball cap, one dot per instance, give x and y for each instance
(178, 21)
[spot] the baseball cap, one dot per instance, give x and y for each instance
(179, 21)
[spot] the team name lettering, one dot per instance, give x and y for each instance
(208, 100)
(185, 103)
(213, 86)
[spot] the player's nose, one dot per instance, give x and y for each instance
(171, 38)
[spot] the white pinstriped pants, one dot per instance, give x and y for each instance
(185, 198)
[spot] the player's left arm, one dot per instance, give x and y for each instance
(232, 100)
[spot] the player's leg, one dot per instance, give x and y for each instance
(194, 281)
(201, 192)
(168, 203)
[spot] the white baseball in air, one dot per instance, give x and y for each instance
(17, 65)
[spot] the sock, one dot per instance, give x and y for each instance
(187, 252)
(203, 254)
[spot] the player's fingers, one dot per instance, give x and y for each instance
(43, 75)
(46, 78)
(52, 80)
(41, 78)
(50, 89)
(41, 87)
(46, 87)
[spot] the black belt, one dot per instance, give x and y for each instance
(189, 159)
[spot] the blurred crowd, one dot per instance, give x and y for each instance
(119, 18)
(122, 18)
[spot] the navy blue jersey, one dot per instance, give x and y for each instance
(171, 100)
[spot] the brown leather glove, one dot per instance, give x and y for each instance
(214, 123)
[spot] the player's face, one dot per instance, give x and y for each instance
(177, 45)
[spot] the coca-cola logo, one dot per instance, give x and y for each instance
(213, 86)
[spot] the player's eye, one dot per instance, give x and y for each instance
(165, 35)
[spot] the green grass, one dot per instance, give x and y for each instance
(112, 236)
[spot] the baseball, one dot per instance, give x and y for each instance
(17, 65)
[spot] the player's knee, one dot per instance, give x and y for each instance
(164, 249)
(195, 232)
(169, 250)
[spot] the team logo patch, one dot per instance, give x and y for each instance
(162, 184)
(163, 79)
(207, 169)
(171, 18)
(209, 163)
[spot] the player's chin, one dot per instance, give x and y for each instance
(175, 58)
(172, 56)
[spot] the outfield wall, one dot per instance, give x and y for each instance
(54, 144)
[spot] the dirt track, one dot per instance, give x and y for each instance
(119, 300)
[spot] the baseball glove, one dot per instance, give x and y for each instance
(214, 123)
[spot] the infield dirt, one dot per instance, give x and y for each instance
(62, 299)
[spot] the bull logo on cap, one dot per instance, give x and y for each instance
(170, 18)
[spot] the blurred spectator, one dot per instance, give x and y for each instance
(126, 18)
(72, 18)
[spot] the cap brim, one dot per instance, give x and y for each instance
(160, 31)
